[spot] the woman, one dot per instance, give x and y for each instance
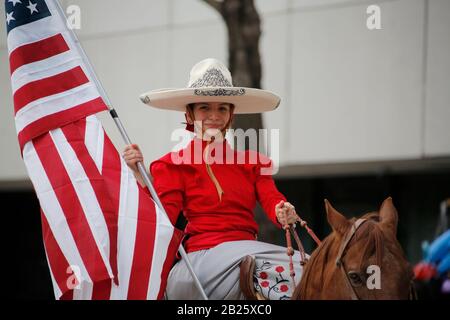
(216, 188)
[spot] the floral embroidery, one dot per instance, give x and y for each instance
(284, 288)
(279, 269)
(271, 281)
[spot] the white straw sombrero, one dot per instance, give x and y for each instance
(210, 81)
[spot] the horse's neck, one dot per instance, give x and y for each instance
(316, 270)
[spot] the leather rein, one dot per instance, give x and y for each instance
(290, 231)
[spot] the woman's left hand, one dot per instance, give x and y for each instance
(286, 214)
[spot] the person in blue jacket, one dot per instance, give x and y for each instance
(434, 269)
(438, 254)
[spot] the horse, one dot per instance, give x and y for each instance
(360, 260)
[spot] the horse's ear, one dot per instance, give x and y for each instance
(389, 216)
(337, 221)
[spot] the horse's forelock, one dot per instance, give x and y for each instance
(370, 238)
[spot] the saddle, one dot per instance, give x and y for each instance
(247, 269)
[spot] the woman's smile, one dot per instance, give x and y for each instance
(213, 126)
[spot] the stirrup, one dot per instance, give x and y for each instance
(247, 267)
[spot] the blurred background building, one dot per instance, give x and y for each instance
(364, 115)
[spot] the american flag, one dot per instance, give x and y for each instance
(104, 236)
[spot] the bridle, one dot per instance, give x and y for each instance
(340, 264)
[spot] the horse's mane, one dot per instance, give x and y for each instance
(369, 236)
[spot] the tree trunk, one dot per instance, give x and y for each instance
(244, 31)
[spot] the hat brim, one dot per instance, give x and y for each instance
(245, 100)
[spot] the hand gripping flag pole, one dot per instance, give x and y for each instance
(127, 140)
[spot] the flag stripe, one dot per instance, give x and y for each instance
(168, 261)
(37, 51)
(40, 69)
(49, 86)
(62, 117)
(56, 259)
(101, 290)
(128, 219)
(88, 185)
(51, 206)
(94, 140)
(143, 249)
(160, 245)
(111, 173)
(55, 103)
(83, 292)
(72, 209)
(67, 296)
(56, 291)
(99, 146)
(163, 237)
(75, 136)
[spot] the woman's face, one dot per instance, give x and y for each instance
(212, 115)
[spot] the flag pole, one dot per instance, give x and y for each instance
(127, 140)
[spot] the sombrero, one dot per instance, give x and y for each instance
(210, 81)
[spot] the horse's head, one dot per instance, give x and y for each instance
(360, 259)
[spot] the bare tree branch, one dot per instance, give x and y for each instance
(215, 4)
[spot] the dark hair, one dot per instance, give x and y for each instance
(191, 106)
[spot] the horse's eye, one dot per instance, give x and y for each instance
(355, 278)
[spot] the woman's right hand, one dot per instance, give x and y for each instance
(286, 214)
(132, 155)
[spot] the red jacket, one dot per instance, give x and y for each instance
(187, 187)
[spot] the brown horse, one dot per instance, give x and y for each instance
(360, 259)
